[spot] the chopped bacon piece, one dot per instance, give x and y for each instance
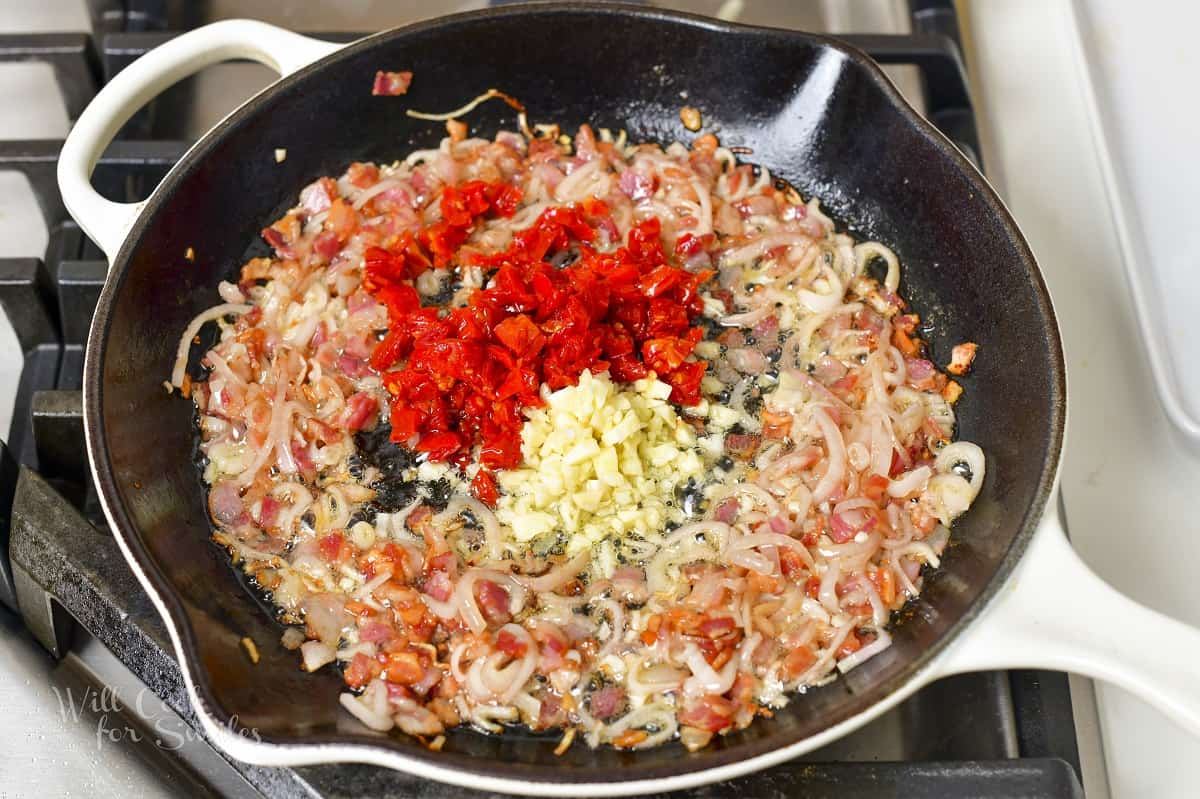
(727, 511)
(829, 370)
(327, 245)
(510, 644)
(742, 445)
(903, 327)
(438, 585)
(923, 375)
(341, 220)
(493, 601)
(404, 667)
(551, 713)
(268, 510)
(360, 408)
(875, 488)
(961, 358)
(606, 702)
(277, 241)
(798, 661)
(351, 366)
(885, 584)
(363, 175)
(849, 646)
(843, 527)
(304, 460)
(791, 564)
(377, 632)
(640, 187)
(442, 561)
(711, 713)
(717, 627)
(553, 650)
(391, 84)
(360, 671)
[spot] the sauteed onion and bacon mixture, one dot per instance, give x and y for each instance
(617, 440)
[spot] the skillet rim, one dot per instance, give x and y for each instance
(461, 768)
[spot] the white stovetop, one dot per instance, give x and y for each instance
(1128, 480)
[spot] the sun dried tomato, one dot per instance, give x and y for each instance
(520, 382)
(685, 382)
(627, 368)
(483, 487)
(399, 299)
(387, 267)
(660, 280)
(665, 317)
(440, 446)
(405, 422)
(665, 354)
(690, 244)
(394, 346)
(461, 207)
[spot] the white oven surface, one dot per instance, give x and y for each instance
(1128, 479)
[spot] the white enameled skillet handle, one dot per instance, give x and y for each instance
(105, 221)
(1055, 613)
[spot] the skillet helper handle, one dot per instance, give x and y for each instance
(1055, 613)
(108, 222)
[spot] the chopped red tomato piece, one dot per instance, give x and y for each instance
(461, 208)
(521, 335)
(440, 446)
(690, 244)
(483, 487)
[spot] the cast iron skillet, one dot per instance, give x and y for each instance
(818, 113)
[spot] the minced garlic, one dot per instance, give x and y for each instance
(600, 461)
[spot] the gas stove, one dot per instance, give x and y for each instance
(998, 734)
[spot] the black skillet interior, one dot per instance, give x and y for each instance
(817, 114)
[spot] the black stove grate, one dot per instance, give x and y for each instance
(998, 734)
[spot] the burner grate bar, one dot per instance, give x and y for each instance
(70, 55)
